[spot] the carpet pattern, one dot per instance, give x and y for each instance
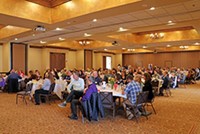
(178, 114)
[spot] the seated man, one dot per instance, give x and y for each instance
(88, 92)
(13, 81)
(97, 79)
(165, 84)
(77, 86)
(132, 90)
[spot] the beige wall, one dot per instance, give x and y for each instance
(98, 60)
(40, 58)
(178, 59)
(71, 60)
(1, 58)
(34, 59)
(80, 59)
(6, 57)
(118, 60)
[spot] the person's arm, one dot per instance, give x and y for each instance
(69, 87)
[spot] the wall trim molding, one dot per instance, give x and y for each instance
(53, 47)
(104, 52)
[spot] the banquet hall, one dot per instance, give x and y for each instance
(108, 39)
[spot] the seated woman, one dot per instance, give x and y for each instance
(49, 79)
(148, 86)
(87, 94)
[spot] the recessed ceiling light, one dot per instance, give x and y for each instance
(16, 38)
(121, 29)
(60, 38)
(170, 23)
(197, 43)
(33, 34)
(144, 47)
(152, 8)
(123, 48)
(43, 42)
(87, 35)
(94, 20)
(105, 49)
(59, 29)
(168, 45)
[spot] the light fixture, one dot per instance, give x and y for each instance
(184, 47)
(59, 29)
(168, 45)
(121, 29)
(16, 38)
(43, 42)
(94, 20)
(61, 39)
(105, 49)
(123, 48)
(156, 35)
(130, 50)
(40, 28)
(152, 8)
(197, 43)
(33, 34)
(144, 47)
(87, 35)
(85, 42)
(170, 23)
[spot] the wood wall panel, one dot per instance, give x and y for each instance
(88, 56)
(178, 59)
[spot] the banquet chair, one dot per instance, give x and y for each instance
(50, 93)
(24, 93)
(155, 87)
(140, 104)
(150, 102)
(108, 102)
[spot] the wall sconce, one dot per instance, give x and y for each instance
(156, 35)
(84, 42)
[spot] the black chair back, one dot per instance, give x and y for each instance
(52, 87)
(29, 87)
(142, 97)
(107, 99)
(155, 83)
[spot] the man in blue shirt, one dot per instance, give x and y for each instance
(132, 90)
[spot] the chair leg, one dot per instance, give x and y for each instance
(24, 99)
(145, 112)
(153, 108)
(17, 99)
(47, 98)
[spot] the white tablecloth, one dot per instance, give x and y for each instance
(117, 92)
(59, 87)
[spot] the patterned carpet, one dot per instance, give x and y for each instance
(178, 114)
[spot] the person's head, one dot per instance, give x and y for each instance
(50, 77)
(95, 74)
(76, 75)
(90, 80)
(137, 78)
(147, 77)
(129, 78)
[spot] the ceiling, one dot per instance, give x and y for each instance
(49, 3)
(178, 20)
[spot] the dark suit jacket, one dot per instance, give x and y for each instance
(93, 107)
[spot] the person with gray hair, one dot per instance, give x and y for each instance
(87, 94)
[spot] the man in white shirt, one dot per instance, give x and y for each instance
(75, 89)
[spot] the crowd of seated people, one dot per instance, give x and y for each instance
(81, 83)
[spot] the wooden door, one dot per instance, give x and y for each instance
(104, 62)
(57, 60)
